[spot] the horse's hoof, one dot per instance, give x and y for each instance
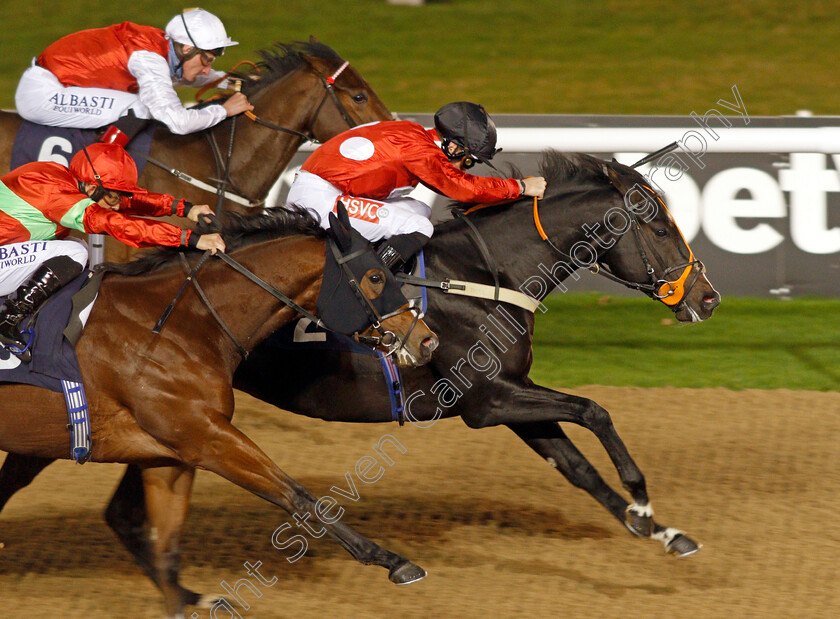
(682, 546)
(406, 573)
(191, 598)
(639, 520)
(207, 601)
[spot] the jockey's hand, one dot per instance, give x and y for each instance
(199, 209)
(237, 104)
(214, 242)
(534, 186)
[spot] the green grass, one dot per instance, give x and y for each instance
(570, 56)
(748, 343)
(516, 56)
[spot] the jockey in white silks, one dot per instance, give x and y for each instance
(124, 75)
(372, 168)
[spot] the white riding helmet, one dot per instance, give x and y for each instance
(199, 28)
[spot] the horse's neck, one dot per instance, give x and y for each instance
(260, 153)
(514, 243)
(293, 265)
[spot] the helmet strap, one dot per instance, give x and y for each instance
(100, 191)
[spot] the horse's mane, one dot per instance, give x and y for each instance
(280, 60)
(561, 169)
(237, 230)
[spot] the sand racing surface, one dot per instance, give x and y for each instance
(752, 475)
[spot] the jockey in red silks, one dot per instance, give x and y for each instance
(41, 202)
(125, 74)
(372, 168)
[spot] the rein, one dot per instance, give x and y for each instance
(472, 289)
(223, 168)
(389, 339)
(239, 269)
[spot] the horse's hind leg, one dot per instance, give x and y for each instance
(223, 449)
(167, 495)
(127, 517)
(18, 472)
(550, 442)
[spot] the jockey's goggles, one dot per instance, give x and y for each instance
(469, 162)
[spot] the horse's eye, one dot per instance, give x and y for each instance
(360, 98)
(661, 232)
(375, 279)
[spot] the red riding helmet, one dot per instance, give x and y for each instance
(112, 167)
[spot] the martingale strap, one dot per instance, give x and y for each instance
(394, 384)
(472, 289)
(79, 426)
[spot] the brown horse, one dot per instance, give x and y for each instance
(165, 402)
(290, 92)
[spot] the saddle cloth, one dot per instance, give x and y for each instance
(39, 143)
(53, 353)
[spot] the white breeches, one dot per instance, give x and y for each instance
(40, 98)
(374, 219)
(18, 261)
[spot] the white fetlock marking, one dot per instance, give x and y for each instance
(667, 536)
(643, 511)
(207, 601)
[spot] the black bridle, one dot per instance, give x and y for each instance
(385, 338)
(670, 292)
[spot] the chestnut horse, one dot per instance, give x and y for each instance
(583, 204)
(164, 402)
(292, 98)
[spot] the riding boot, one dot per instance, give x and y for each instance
(124, 129)
(399, 249)
(30, 295)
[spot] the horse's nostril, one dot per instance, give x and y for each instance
(711, 300)
(429, 345)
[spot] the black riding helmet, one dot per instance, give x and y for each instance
(467, 125)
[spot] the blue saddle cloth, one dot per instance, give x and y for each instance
(53, 354)
(39, 143)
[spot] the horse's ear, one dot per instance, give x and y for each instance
(615, 179)
(313, 40)
(340, 228)
(343, 217)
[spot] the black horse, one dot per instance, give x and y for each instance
(596, 214)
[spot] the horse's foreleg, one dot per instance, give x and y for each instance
(127, 516)
(18, 472)
(167, 494)
(530, 403)
(223, 449)
(552, 444)
(532, 412)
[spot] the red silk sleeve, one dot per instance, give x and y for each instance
(430, 165)
(133, 231)
(152, 204)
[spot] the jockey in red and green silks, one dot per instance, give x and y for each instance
(41, 202)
